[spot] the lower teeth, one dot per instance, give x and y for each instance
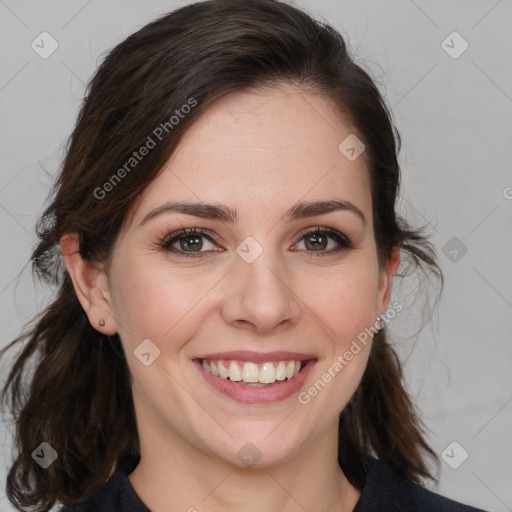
(255, 384)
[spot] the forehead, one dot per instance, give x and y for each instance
(263, 149)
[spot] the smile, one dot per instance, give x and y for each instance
(254, 380)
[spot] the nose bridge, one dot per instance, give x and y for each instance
(260, 293)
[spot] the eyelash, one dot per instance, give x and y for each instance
(166, 243)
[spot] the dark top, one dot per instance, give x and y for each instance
(383, 491)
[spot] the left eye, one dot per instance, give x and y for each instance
(316, 240)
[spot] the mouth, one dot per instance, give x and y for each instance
(256, 378)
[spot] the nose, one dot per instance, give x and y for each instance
(260, 296)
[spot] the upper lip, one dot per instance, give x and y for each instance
(258, 357)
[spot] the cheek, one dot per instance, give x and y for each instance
(345, 307)
(156, 303)
(344, 299)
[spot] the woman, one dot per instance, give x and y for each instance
(226, 217)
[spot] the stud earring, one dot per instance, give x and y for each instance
(379, 319)
(102, 323)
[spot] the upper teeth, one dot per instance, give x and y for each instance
(251, 372)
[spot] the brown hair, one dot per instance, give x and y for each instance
(79, 396)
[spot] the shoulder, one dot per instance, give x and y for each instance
(106, 499)
(115, 495)
(385, 491)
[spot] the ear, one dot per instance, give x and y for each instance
(90, 283)
(386, 280)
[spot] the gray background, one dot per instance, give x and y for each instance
(454, 117)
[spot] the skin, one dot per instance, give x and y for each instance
(258, 153)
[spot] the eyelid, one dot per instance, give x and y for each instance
(174, 236)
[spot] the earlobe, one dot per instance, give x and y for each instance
(90, 283)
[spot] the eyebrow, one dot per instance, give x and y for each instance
(225, 214)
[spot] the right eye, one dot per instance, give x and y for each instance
(190, 238)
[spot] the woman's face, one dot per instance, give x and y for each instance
(253, 288)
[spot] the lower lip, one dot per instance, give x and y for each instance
(257, 395)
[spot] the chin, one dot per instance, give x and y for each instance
(255, 448)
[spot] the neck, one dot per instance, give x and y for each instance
(172, 471)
